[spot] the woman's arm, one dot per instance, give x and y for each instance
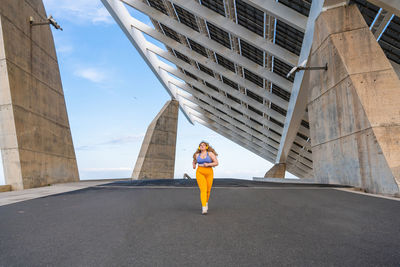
(214, 160)
(195, 161)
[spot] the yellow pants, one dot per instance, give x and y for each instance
(204, 177)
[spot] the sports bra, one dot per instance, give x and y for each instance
(207, 159)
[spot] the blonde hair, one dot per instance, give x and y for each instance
(209, 149)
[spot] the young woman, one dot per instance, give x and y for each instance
(206, 158)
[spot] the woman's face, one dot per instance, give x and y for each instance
(203, 146)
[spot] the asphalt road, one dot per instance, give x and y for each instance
(130, 225)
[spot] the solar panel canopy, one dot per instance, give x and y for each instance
(227, 61)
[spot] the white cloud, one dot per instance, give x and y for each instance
(101, 15)
(82, 11)
(91, 74)
(114, 142)
(124, 139)
(64, 48)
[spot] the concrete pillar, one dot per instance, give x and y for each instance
(354, 106)
(156, 158)
(35, 136)
(5, 188)
(277, 171)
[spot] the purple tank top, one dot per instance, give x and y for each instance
(207, 159)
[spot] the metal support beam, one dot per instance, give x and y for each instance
(300, 157)
(298, 98)
(245, 137)
(225, 52)
(223, 23)
(380, 23)
(231, 136)
(304, 156)
(217, 115)
(281, 12)
(245, 121)
(217, 83)
(121, 15)
(228, 122)
(392, 6)
(220, 97)
(231, 103)
(296, 168)
(217, 125)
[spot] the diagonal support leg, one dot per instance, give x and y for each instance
(156, 158)
(35, 136)
(353, 107)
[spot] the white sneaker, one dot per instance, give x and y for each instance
(204, 210)
(207, 206)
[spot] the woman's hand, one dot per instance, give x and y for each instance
(194, 165)
(205, 164)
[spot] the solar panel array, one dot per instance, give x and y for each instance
(229, 79)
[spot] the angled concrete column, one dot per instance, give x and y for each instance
(354, 106)
(156, 158)
(35, 136)
(277, 171)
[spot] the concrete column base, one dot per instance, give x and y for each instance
(5, 188)
(35, 136)
(277, 171)
(353, 107)
(156, 158)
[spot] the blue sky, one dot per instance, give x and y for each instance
(112, 96)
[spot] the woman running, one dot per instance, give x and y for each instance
(206, 158)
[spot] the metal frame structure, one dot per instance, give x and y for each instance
(229, 60)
